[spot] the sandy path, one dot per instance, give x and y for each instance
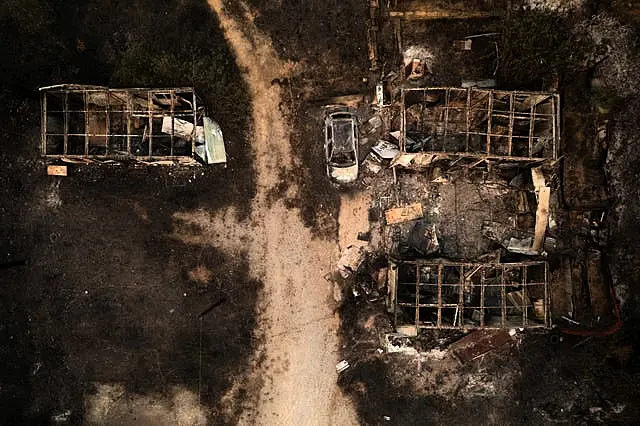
(296, 319)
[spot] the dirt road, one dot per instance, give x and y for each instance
(296, 374)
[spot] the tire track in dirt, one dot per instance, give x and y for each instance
(298, 326)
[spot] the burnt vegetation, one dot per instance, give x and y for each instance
(100, 296)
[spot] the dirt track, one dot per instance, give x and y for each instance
(295, 368)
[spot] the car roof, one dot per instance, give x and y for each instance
(343, 135)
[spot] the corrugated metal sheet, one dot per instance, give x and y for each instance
(214, 142)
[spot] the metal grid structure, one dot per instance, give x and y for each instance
(481, 124)
(455, 295)
(94, 122)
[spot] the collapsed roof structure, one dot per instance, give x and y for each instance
(467, 295)
(162, 126)
(480, 125)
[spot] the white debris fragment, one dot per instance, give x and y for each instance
(52, 197)
(341, 366)
(351, 259)
(386, 150)
(435, 353)
(397, 343)
(62, 417)
(418, 52)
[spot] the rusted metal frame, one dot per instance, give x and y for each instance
(473, 272)
(540, 116)
(172, 94)
(128, 89)
(65, 108)
(417, 313)
(471, 264)
(461, 297)
(511, 120)
(531, 127)
(468, 117)
(525, 306)
(395, 299)
(86, 123)
(547, 319)
(497, 134)
(43, 123)
(418, 15)
(92, 134)
(111, 157)
(488, 157)
(489, 115)
(489, 327)
(477, 163)
(179, 113)
(482, 284)
(129, 115)
(427, 305)
(439, 323)
(74, 134)
(373, 34)
(447, 93)
(556, 122)
(457, 160)
(195, 124)
(107, 121)
(503, 297)
(403, 122)
(422, 119)
(150, 112)
(115, 94)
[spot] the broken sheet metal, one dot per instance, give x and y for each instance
(342, 366)
(351, 259)
(403, 214)
(479, 343)
(482, 84)
(214, 142)
(179, 127)
(372, 163)
(386, 150)
(149, 126)
(456, 295)
(521, 246)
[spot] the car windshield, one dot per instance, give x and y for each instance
(343, 159)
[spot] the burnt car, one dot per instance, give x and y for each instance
(341, 144)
